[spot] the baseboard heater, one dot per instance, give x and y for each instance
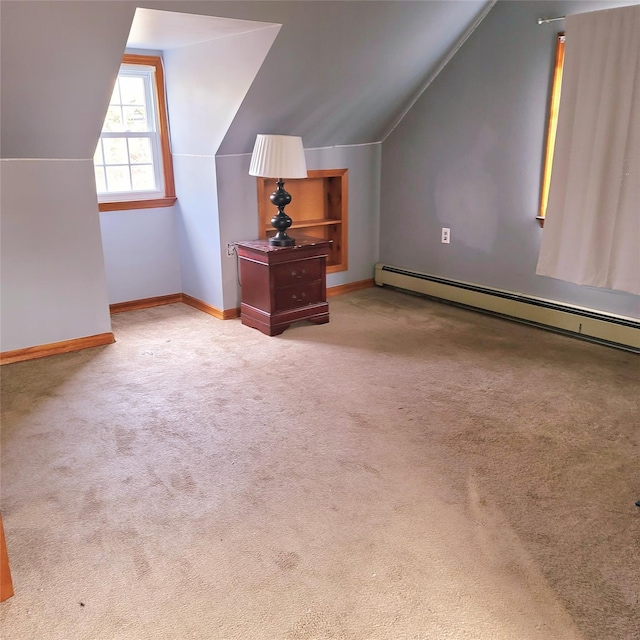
(609, 329)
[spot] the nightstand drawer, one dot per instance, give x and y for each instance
(293, 273)
(283, 285)
(298, 296)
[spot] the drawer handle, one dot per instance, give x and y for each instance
(298, 299)
(294, 273)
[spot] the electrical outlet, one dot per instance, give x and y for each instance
(231, 248)
(446, 235)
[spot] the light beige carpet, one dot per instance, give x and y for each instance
(410, 471)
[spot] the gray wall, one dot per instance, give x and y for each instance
(53, 281)
(469, 156)
(341, 71)
(58, 66)
(238, 206)
(59, 62)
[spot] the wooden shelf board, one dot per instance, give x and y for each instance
(323, 198)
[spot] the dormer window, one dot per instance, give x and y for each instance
(132, 161)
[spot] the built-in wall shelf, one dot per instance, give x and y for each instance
(319, 208)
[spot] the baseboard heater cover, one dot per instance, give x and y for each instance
(605, 328)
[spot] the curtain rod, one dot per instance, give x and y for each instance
(547, 20)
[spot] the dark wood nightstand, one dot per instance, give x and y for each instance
(281, 285)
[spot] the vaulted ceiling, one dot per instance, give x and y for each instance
(343, 72)
(339, 72)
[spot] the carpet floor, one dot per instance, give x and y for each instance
(409, 471)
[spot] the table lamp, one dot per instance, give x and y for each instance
(280, 157)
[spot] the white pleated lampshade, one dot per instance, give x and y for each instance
(278, 157)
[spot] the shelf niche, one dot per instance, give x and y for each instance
(319, 208)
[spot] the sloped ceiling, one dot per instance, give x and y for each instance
(342, 72)
(339, 72)
(59, 61)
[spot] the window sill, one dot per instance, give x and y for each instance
(126, 205)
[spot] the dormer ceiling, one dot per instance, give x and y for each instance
(165, 30)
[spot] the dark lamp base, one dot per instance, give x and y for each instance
(287, 241)
(281, 221)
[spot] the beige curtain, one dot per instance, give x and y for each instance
(592, 228)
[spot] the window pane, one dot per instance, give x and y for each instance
(101, 183)
(115, 150)
(113, 121)
(143, 178)
(97, 156)
(140, 151)
(118, 178)
(135, 118)
(132, 90)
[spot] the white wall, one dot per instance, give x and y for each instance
(53, 280)
(140, 253)
(140, 247)
(206, 83)
(198, 228)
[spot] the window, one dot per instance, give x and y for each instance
(553, 124)
(133, 160)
